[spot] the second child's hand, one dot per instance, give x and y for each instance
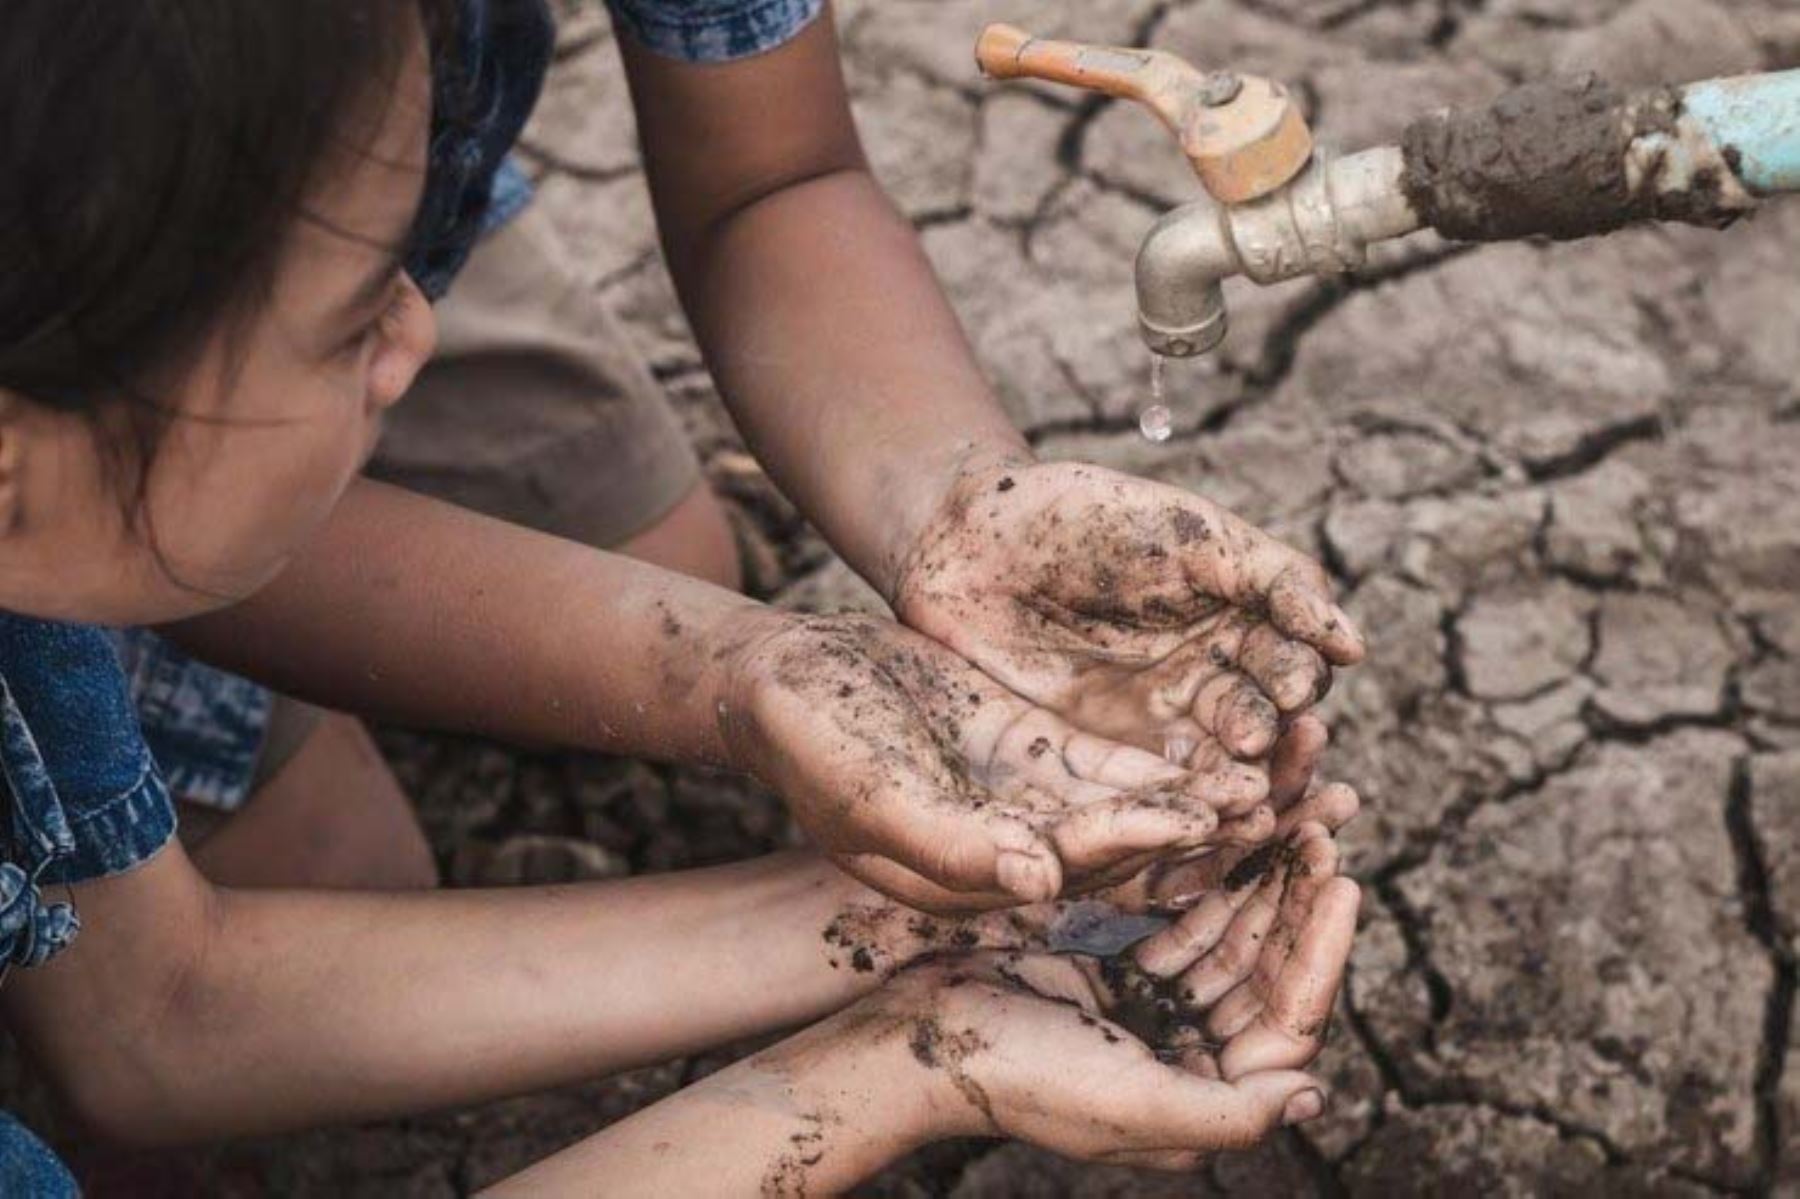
(931, 782)
(1136, 610)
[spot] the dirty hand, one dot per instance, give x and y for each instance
(1253, 968)
(927, 780)
(1212, 892)
(1029, 1046)
(1296, 797)
(1134, 609)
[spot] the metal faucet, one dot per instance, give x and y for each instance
(1564, 158)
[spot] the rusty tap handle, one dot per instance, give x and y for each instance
(1244, 135)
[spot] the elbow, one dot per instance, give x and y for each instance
(129, 1055)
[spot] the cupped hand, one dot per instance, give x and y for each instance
(1252, 970)
(885, 936)
(1136, 610)
(1040, 1048)
(929, 781)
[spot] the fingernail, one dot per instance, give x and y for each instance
(1025, 876)
(1307, 1105)
(1342, 628)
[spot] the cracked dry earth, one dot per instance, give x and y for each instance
(1558, 485)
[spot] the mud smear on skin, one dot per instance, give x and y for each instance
(1154, 1010)
(1550, 159)
(1160, 1011)
(900, 708)
(936, 1048)
(855, 944)
(863, 936)
(786, 1176)
(1260, 863)
(1108, 572)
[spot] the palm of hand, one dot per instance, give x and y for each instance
(1136, 610)
(1105, 1062)
(928, 780)
(1245, 979)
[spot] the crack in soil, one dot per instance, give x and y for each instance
(1759, 917)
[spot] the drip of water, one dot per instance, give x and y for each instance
(1156, 422)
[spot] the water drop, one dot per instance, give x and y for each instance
(1156, 422)
(1178, 749)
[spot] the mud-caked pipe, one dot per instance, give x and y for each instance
(1564, 158)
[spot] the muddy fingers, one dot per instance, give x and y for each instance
(1235, 711)
(1195, 934)
(1292, 1023)
(1300, 606)
(1099, 835)
(1245, 566)
(1239, 1114)
(1295, 760)
(1291, 673)
(1234, 957)
(1313, 863)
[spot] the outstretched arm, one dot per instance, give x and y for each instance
(913, 768)
(817, 310)
(1120, 603)
(187, 1012)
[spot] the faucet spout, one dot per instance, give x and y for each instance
(1181, 269)
(1322, 223)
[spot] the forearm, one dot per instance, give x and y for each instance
(303, 1008)
(419, 612)
(841, 360)
(814, 1115)
(818, 313)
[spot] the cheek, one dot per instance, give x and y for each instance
(232, 504)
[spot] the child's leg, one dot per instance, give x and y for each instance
(332, 815)
(538, 410)
(272, 792)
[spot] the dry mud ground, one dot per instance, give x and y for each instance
(1557, 483)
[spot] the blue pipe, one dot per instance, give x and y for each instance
(1758, 117)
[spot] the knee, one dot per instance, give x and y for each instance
(694, 538)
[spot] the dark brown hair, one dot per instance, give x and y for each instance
(152, 156)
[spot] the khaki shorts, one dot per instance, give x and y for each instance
(536, 408)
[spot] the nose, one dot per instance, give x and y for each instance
(411, 341)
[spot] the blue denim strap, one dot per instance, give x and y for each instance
(483, 90)
(84, 797)
(31, 930)
(714, 30)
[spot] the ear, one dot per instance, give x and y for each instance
(12, 461)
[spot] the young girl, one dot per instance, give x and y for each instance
(216, 220)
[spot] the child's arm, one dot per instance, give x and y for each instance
(990, 1044)
(917, 772)
(414, 610)
(1136, 610)
(185, 1011)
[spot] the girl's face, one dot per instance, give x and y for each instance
(270, 428)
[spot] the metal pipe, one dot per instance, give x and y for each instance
(1565, 158)
(1322, 223)
(1755, 119)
